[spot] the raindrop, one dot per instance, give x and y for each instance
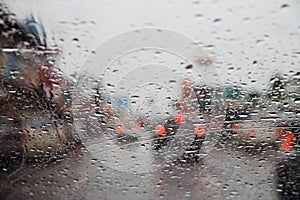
(284, 6)
(190, 66)
(216, 20)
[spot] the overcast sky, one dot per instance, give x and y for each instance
(235, 33)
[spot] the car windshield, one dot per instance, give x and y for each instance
(149, 99)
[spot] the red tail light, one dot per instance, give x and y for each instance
(119, 127)
(160, 130)
(236, 127)
(178, 117)
(199, 130)
(287, 142)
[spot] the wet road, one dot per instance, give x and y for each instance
(227, 172)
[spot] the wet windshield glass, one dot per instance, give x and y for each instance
(149, 100)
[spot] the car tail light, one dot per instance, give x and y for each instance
(287, 141)
(199, 130)
(235, 126)
(179, 117)
(119, 127)
(160, 130)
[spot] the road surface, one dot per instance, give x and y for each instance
(229, 171)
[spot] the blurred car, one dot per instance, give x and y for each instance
(36, 121)
(272, 118)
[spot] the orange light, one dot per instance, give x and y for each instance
(160, 130)
(119, 127)
(178, 117)
(287, 142)
(199, 130)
